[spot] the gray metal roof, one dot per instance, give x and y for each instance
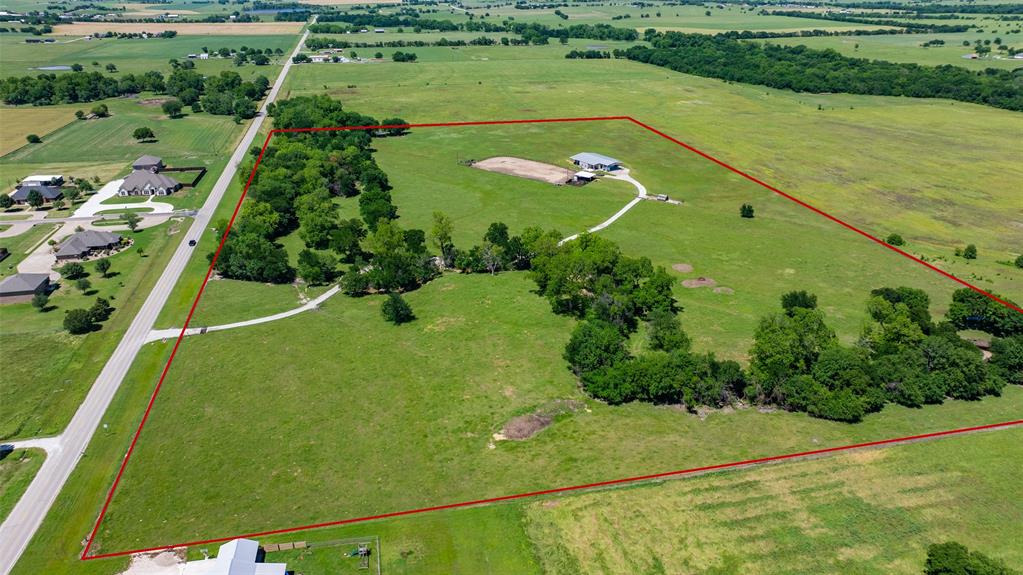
(22, 283)
(141, 179)
(595, 159)
(49, 193)
(82, 242)
(147, 161)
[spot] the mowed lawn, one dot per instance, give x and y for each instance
(869, 512)
(48, 371)
(16, 471)
(335, 414)
(940, 173)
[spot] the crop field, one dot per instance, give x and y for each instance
(182, 28)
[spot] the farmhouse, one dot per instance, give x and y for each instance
(236, 557)
(146, 179)
(592, 161)
(20, 288)
(83, 244)
(48, 193)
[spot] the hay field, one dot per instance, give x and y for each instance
(183, 28)
(17, 123)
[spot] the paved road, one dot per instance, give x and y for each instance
(19, 527)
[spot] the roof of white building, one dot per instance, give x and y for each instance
(236, 557)
(595, 159)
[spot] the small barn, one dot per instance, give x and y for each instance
(594, 161)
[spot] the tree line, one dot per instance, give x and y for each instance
(531, 32)
(803, 69)
(917, 27)
(223, 94)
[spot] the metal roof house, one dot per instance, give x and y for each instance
(44, 180)
(592, 161)
(148, 163)
(20, 288)
(145, 183)
(236, 557)
(49, 193)
(84, 243)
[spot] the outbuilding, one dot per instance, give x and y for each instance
(44, 180)
(20, 288)
(238, 557)
(584, 176)
(593, 161)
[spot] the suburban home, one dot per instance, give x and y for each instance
(45, 180)
(144, 183)
(238, 557)
(83, 244)
(148, 164)
(592, 161)
(20, 288)
(49, 193)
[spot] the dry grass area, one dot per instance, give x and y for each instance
(528, 169)
(183, 28)
(17, 123)
(869, 512)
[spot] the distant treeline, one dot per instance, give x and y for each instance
(224, 94)
(325, 43)
(803, 69)
(914, 26)
(936, 8)
(533, 33)
(587, 55)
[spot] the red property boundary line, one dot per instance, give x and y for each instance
(678, 473)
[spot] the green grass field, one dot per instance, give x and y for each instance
(16, 471)
(42, 390)
(939, 173)
(908, 48)
(871, 512)
(403, 417)
(134, 56)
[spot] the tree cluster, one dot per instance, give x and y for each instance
(953, 558)
(973, 310)
(803, 69)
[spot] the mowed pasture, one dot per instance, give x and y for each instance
(939, 173)
(350, 417)
(16, 124)
(182, 28)
(908, 48)
(869, 512)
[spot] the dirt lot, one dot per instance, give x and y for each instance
(183, 28)
(525, 169)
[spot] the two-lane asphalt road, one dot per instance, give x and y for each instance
(20, 526)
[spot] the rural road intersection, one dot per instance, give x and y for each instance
(17, 530)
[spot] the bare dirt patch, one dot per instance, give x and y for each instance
(183, 28)
(699, 282)
(523, 168)
(724, 290)
(153, 101)
(682, 268)
(526, 426)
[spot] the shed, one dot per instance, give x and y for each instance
(585, 176)
(593, 161)
(236, 557)
(44, 180)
